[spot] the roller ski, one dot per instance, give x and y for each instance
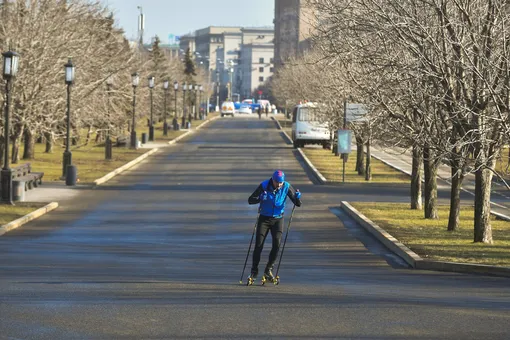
(268, 276)
(251, 279)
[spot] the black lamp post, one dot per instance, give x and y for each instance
(108, 142)
(196, 101)
(174, 121)
(190, 112)
(184, 88)
(68, 156)
(11, 59)
(165, 124)
(135, 80)
(151, 125)
(201, 88)
(217, 89)
(176, 88)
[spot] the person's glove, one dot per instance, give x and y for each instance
(298, 194)
(263, 196)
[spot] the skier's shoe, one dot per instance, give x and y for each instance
(252, 277)
(268, 275)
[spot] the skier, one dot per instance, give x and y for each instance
(271, 194)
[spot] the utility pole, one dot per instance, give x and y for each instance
(141, 25)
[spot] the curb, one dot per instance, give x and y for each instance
(124, 167)
(413, 259)
(27, 218)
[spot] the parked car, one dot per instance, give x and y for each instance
(227, 108)
(245, 108)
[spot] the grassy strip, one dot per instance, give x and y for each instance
(430, 239)
(9, 213)
(331, 167)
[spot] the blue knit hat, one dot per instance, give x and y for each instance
(278, 176)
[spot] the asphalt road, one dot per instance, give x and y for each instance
(157, 253)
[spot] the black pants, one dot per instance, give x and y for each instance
(266, 224)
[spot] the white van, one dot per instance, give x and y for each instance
(227, 108)
(307, 127)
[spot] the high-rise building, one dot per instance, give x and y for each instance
(294, 24)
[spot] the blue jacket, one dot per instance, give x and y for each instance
(274, 203)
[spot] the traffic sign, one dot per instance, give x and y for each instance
(356, 112)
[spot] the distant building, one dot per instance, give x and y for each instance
(220, 50)
(294, 24)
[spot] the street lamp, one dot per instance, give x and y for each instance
(190, 112)
(176, 88)
(217, 89)
(135, 78)
(151, 125)
(108, 142)
(67, 161)
(200, 100)
(184, 88)
(231, 72)
(165, 125)
(196, 101)
(10, 69)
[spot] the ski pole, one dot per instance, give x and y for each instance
(284, 242)
(251, 241)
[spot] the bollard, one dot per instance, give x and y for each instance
(144, 138)
(71, 175)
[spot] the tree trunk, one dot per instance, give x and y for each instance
(457, 179)
(2, 148)
(15, 144)
(49, 142)
(360, 159)
(368, 169)
(430, 171)
(483, 229)
(28, 150)
(416, 193)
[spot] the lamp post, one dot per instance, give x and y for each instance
(175, 121)
(196, 101)
(151, 125)
(135, 78)
(201, 88)
(10, 69)
(184, 88)
(190, 112)
(108, 142)
(176, 88)
(217, 90)
(165, 125)
(67, 159)
(231, 72)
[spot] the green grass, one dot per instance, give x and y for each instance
(8, 213)
(331, 167)
(430, 239)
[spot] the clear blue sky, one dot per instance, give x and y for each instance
(179, 17)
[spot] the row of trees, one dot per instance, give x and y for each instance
(435, 75)
(46, 33)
